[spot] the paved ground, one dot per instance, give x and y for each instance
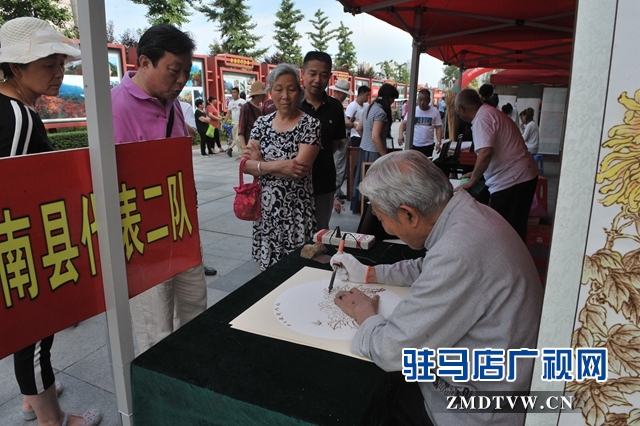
(80, 354)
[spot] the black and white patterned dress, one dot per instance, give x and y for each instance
(287, 219)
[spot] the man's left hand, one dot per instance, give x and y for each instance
(357, 305)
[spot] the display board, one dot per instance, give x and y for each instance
(194, 88)
(69, 104)
(552, 115)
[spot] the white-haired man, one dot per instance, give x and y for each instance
(475, 288)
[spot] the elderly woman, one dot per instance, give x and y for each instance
(32, 59)
(374, 127)
(282, 148)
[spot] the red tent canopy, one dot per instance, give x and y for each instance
(515, 76)
(491, 34)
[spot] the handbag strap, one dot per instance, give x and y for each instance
(170, 122)
(240, 172)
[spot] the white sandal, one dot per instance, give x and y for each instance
(89, 418)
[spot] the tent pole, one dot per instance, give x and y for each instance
(413, 79)
(91, 16)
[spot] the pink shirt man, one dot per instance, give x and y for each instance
(142, 117)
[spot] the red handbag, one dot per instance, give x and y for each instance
(246, 205)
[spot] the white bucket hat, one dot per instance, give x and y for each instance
(342, 85)
(24, 40)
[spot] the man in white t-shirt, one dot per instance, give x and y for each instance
(427, 121)
(233, 111)
(354, 113)
(510, 172)
(189, 118)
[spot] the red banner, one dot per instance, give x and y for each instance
(49, 259)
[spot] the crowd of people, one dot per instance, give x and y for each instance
(296, 143)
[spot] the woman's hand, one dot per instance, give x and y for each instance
(294, 168)
(252, 151)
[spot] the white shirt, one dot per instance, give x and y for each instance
(424, 126)
(511, 163)
(531, 137)
(234, 106)
(355, 110)
(189, 116)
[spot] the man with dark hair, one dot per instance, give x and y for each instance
(509, 170)
(145, 107)
(485, 91)
(354, 113)
(316, 70)
(233, 112)
(427, 121)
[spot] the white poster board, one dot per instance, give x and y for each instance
(552, 115)
(301, 310)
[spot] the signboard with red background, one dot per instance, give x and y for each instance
(49, 259)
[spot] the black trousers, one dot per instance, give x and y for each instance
(408, 407)
(216, 139)
(32, 367)
(514, 204)
(426, 150)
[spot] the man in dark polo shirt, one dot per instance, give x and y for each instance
(316, 70)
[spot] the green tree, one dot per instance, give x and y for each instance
(451, 73)
(111, 36)
(361, 71)
(174, 12)
(286, 36)
(346, 57)
(402, 73)
(387, 70)
(235, 27)
(320, 38)
(473, 84)
(129, 38)
(53, 11)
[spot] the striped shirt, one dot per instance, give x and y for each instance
(21, 129)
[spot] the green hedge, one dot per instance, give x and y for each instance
(79, 139)
(69, 140)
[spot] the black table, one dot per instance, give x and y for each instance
(207, 373)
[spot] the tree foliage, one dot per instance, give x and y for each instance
(174, 12)
(451, 74)
(368, 72)
(274, 59)
(129, 38)
(53, 11)
(387, 69)
(391, 70)
(235, 27)
(286, 36)
(402, 73)
(346, 57)
(321, 37)
(111, 35)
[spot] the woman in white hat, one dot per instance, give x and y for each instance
(32, 59)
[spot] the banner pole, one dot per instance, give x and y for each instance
(92, 23)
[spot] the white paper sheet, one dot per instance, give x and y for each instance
(302, 311)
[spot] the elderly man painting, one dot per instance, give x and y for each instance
(475, 288)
